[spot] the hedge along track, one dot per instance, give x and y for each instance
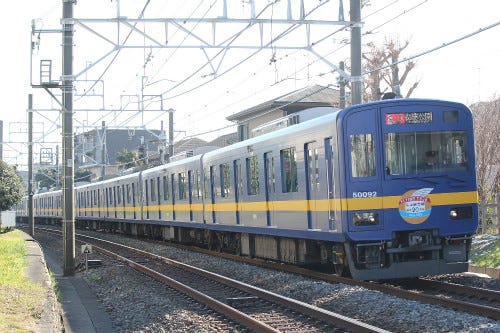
(252, 307)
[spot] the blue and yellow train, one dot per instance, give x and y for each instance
(379, 190)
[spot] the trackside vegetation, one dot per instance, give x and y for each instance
(20, 300)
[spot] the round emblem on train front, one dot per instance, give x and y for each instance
(415, 206)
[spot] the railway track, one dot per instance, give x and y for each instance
(249, 306)
(479, 301)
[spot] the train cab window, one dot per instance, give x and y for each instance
(362, 155)
(182, 185)
(425, 152)
(289, 170)
(225, 181)
(252, 175)
(165, 188)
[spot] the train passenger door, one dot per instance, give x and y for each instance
(332, 200)
(269, 186)
(315, 213)
(238, 188)
(363, 175)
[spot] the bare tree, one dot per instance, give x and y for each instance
(381, 64)
(487, 137)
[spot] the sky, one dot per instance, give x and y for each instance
(466, 71)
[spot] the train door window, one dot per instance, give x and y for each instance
(252, 165)
(182, 185)
(197, 188)
(225, 180)
(271, 178)
(362, 155)
(128, 196)
(206, 184)
(190, 185)
(146, 191)
(158, 190)
(312, 159)
(172, 181)
(165, 188)
(153, 190)
(133, 199)
(289, 170)
(238, 178)
(214, 181)
(118, 195)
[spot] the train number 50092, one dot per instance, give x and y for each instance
(365, 194)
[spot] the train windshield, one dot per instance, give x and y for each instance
(409, 153)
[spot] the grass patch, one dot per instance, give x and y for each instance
(485, 251)
(21, 301)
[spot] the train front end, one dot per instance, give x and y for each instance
(411, 195)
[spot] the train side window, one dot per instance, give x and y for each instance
(182, 185)
(252, 165)
(225, 182)
(362, 155)
(165, 188)
(289, 181)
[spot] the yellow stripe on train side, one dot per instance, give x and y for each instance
(387, 202)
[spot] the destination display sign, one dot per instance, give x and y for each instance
(408, 118)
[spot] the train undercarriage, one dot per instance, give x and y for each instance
(408, 254)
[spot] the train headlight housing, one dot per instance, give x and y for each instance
(365, 219)
(461, 213)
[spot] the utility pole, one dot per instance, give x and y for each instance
(68, 222)
(31, 218)
(356, 79)
(170, 134)
(342, 83)
(103, 150)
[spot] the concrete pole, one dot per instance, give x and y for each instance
(356, 80)
(170, 134)
(31, 217)
(342, 83)
(68, 222)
